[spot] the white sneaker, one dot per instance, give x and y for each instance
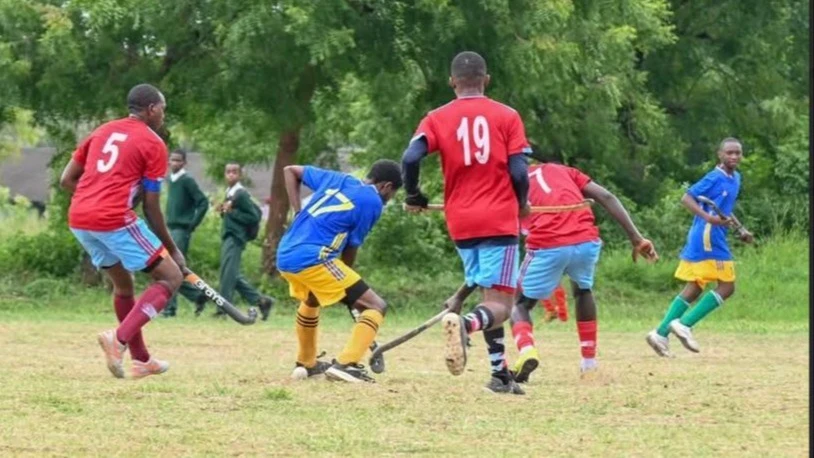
(588, 368)
(660, 344)
(684, 334)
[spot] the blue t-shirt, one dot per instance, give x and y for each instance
(340, 213)
(705, 241)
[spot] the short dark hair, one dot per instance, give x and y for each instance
(141, 97)
(385, 170)
(181, 152)
(468, 67)
(728, 140)
(238, 164)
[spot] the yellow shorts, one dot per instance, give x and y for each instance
(704, 272)
(327, 282)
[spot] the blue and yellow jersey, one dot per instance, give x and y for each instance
(341, 213)
(705, 241)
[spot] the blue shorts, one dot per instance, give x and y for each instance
(494, 267)
(543, 269)
(134, 245)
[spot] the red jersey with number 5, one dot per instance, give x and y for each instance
(475, 137)
(550, 185)
(117, 157)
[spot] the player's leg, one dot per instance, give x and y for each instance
(307, 328)
(658, 338)
(181, 238)
(540, 276)
(581, 270)
(139, 249)
(123, 302)
(724, 274)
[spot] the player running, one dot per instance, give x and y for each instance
(706, 257)
(316, 256)
(560, 244)
(482, 144)
(104, 175)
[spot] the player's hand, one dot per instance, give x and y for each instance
(717, 220)
(453, 304)
(179, 259)
(416, 202)
(525, 210)
(746, 236)
(645, 249)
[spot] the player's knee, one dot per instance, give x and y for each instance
(726, 291)
(526, 303)
(171, 275)
(378, 304)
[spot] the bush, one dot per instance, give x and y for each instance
(57, 254)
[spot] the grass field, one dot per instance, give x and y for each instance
(228, 394)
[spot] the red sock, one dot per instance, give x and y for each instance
(548, 305)
(562, 304)
(138, 350)
(587, 338)
(151, 302)
(522, 335)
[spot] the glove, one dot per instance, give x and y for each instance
(417, 200)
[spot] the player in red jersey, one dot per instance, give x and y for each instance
(564, 243)
(481, 144)
(105, 175)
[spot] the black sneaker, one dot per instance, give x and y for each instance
(497, 385)
(200, 304)
(318, 369)
(265, 304)
(353, 373)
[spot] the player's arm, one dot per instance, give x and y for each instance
(456, 301)
(614, 207)
(70, 175)
(293, 179)
(689, 202)
(518, 171)
(411, 169)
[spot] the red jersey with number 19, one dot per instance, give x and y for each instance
(475, 137)
(117, 156)
(552, 185)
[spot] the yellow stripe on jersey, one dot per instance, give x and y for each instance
(708, 237)
(334, 246)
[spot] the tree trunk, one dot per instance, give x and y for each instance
(278, 207)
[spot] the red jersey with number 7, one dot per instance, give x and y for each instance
(475, 137)
(118, 156)
(551, 185)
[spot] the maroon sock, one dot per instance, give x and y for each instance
(138, 349)
(150, 304)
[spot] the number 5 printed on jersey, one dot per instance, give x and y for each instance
(112, 149)
(319, 207)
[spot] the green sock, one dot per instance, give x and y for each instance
(708, 303)
(677, 308)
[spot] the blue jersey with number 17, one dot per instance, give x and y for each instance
(341, 213)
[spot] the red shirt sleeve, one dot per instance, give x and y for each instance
(157, 161)
(517, 142)
(579, 178)
(81, 153)
(426, 130)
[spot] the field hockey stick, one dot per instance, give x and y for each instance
(536, 209)
(376, 364)
(736, 225)
(400, 340)
(249, 318)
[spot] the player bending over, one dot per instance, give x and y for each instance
(104, 175)
(706, 257)
(316, 256)
(564, 243)
(482, 144)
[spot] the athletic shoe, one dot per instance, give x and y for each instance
(684, 334)
(265, 304)
(588, 368)
(114, 350)
(353, 373)
(151, 367)
(659, 344)
(496, 385)
(525, 365)
(200, 303)
(301, 372)
(455, 348)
